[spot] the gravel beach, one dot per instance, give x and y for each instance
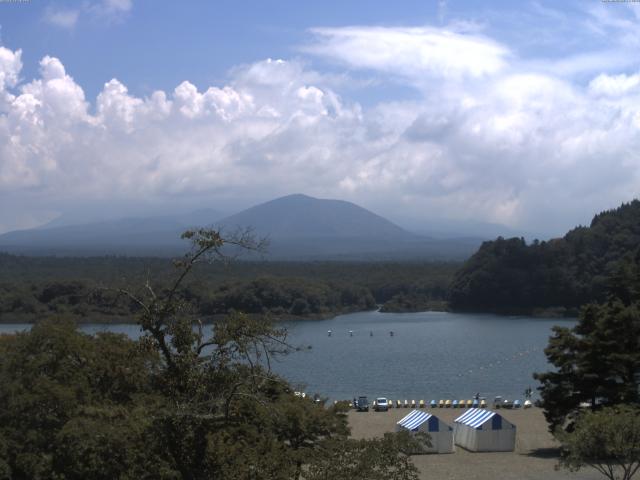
(535, 456)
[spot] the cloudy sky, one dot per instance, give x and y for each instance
(525, 114)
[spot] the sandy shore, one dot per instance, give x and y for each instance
(534, 458)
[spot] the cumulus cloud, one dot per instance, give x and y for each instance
(10, 66)
(615, 85)
(525, 148)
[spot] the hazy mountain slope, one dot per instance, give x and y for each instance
(131, 236)
(298, 215)
(298, 227)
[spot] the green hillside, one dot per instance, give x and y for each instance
(511, 276)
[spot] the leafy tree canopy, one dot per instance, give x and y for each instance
(597, 361)
(509, 275)
(607, 440)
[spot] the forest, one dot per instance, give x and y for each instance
(555, 276)
(86, 288)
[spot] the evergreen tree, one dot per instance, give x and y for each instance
(598, 361)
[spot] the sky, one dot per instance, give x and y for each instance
(524, 114)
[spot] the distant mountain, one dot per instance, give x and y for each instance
(298, 227)
(511, 276)
(126, 236)
(296, 216)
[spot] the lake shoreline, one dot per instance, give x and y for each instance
(437, 307)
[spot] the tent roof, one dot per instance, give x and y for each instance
(475, 417)
(414, 419)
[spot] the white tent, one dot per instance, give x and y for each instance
(481, 430)
(441, 434)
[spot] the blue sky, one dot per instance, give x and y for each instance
(525, 114)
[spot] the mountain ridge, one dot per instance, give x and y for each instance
(298, 226)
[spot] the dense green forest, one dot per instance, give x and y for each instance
(86, 288)
(511, 276)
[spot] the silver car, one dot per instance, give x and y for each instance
(382, 405)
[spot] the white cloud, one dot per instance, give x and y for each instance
(62, 18)
(10, 66)
(503, 144)
(411, 52)
(615, 85)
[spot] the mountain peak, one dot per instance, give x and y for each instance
(300, 215)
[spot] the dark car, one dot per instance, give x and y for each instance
(363, 404)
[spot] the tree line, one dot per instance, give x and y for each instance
(33, 287)
(512, 276)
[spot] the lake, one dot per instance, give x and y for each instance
(432, 355)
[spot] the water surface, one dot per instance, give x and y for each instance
(432, 355)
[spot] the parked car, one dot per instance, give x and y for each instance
(362, 404)
(382, 405)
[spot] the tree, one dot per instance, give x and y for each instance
(176, 404)
(597, 361)
(376, 459)
(607, 440)
(61, 389)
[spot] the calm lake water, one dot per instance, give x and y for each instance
(432, 355)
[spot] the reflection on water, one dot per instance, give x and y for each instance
(430, 355)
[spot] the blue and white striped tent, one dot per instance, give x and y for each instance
(481, 430)
(441, 434)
